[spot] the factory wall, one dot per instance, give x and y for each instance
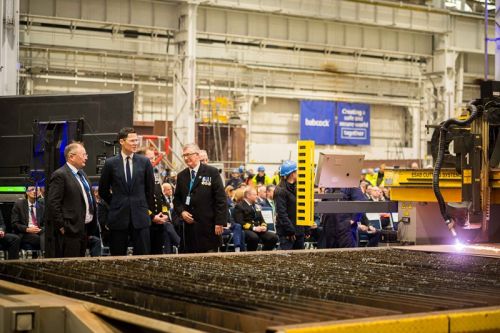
(274, 130)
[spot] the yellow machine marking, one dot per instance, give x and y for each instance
(467, 176)
(416, 185)
(305, 183)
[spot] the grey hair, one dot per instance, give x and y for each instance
(248, 190)
(192, 146)
(71, 148)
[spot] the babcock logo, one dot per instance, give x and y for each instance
(317, 123)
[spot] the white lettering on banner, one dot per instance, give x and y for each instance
(352, 133)
(317, 123)
(354, 112)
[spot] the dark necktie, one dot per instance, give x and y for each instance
(193, 175)
(33, 216)
(127, 168)
(87, 191)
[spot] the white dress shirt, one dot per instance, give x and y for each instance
(124, 160)
(88, 216)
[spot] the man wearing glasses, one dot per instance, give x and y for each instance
(127, 186)
(200, 201)
(70, 206)
(27, 219)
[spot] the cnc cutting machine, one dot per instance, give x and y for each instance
(463, 188)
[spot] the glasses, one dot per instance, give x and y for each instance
(189, 154)
(84, 154)
(30, 189)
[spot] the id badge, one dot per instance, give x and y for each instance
(188, 200)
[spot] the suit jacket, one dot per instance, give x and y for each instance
(66, 203)
(208, 206)
(248, 216)
(20, 215)
(128, 203)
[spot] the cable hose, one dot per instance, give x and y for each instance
(475, 113)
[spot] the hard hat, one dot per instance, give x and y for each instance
(287, 168)
(236, 170)
(261, 169)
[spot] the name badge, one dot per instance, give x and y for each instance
(188, 200)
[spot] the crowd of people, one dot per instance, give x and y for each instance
(135, 209)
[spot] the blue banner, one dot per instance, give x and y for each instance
(317, 122)
(353, 124)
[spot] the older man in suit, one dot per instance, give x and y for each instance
(70, 205)
(127, 186)
(27, 219)
(249, 215)
(200, 201)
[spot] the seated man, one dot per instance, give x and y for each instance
(9, 242)
(365, 228)
(237, 231)
(171, 237)
(249, 216)
(27, 217)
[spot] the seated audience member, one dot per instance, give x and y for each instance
(364, 228)
(363, 185)
(157, 214)
(239, 195)
(102, 217)
(235, 179)
(172, 227)
(9, 242)
(249, 216)
(376, 194)
(269, 199)
(386, 192)
(27, 220)
(261, 196)
(230, 195)
(171, 178)
(236, 230)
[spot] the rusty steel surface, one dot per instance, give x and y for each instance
(251, 292)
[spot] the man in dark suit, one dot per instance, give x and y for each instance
(172, 226)
(70, 206)
(159, 214)
(200, 201)
(249, 215)
(127, 186)
(27, 219)
(9, 242)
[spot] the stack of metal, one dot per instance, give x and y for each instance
(251, 292)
